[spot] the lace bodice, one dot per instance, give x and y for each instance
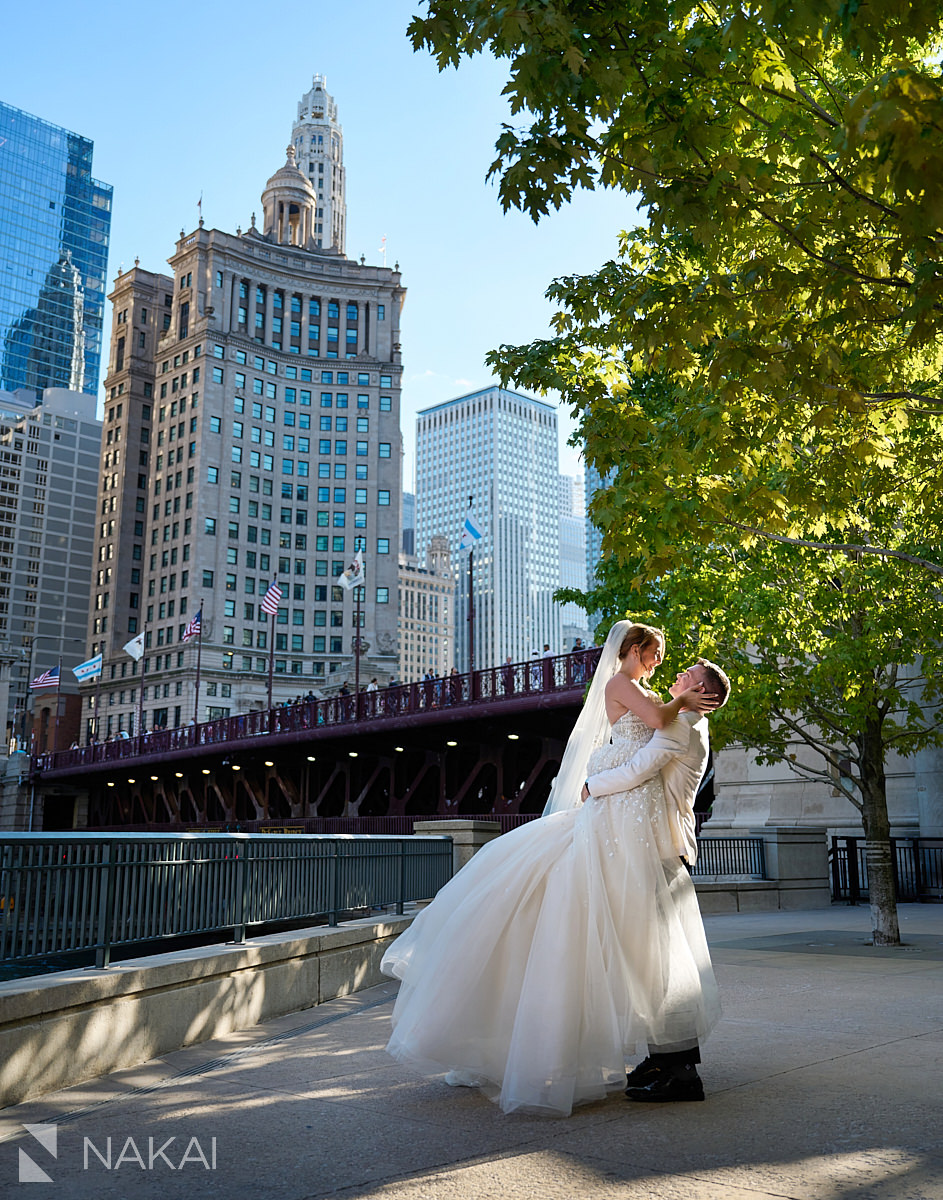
(630, 733)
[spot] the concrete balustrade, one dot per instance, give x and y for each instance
(467, 836)
(796, 869)
(60, 1029)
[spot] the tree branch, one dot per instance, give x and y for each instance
(846, 548)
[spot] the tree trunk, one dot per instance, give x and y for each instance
(881, 889)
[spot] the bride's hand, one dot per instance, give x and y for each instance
(695, 699)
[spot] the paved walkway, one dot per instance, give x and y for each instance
(824, 1080)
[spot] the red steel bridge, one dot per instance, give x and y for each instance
(486, 742)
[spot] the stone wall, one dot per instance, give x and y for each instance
(61, 1029)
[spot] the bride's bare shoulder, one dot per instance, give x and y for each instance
(620, 686)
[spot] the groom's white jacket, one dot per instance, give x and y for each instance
(680, 753)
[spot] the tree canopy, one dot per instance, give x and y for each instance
(757, 371)
(788, 285)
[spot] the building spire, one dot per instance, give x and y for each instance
(318, 145)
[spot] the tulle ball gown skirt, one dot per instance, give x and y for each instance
(550, 955)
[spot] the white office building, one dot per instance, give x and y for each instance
(498, 448)
(574, 622)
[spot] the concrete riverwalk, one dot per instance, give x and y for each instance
(824, 1082)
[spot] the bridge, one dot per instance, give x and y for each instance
(489, 741)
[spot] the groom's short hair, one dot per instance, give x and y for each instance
(717, 682)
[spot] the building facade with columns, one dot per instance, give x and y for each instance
(251, 434)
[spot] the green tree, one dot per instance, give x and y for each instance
(788, 159)
(762, 360)
(836, 656)
(824, 654)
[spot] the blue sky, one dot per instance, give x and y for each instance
(199, 98)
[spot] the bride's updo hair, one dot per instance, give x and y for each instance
(642, 636)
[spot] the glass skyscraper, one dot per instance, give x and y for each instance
(55, 221)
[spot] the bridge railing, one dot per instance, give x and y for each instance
(540, 675)
(62, 894)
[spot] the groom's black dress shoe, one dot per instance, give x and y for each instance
(667, 1087)
(643, 1074)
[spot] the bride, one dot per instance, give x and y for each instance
(562, 944)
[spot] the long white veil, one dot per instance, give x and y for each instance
(590, 731)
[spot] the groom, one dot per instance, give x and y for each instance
(680, 752)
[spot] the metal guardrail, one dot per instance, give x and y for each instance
(91, 892)
(917, 862)
(539, 676)
(385, 824)
(730, 856)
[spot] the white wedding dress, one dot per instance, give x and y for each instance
(555, 950)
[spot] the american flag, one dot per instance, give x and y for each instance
(48, 678)
(271, 598)
(193, 629)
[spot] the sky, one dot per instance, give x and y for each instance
(194, 99)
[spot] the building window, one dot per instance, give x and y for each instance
(383, 497)
(383, 595)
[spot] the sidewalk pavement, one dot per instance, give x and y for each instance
(823, 1082)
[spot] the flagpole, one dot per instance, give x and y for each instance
(471, 601)
(199, 648)
(55, 730)
(98, 698)
(357, 651)
(271, 661)
(141, 697)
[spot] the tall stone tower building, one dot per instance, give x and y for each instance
(319, 150)
(251, 434)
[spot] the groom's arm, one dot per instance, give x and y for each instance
(645, 763)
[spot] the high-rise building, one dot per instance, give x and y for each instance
(426, 613)
(48, 492)
(56, 222)
(409, 523)
(251, 435)
(497, 449)
(593, 481)
(319, 151)
(573, 619)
